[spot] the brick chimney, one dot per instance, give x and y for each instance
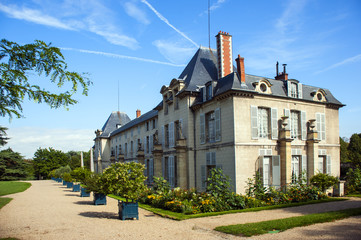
(240, 68)
(281, 75)
(138, 113)
(224, 50)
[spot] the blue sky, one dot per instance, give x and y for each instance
(144, 44)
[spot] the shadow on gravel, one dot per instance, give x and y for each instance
(108, 215)
(85, 202)
(345, 230)
(73, 195)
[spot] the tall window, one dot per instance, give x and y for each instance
(209, 91)
(270, 171)
(321, 126)
(263, 122)
(210, 127)
(131, 148)
(166, 137)
(294, 90)
(294, 122)
(295, 168)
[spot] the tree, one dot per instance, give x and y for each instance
(13, 166)
(343, 151)
(17, 62)
(3, 138)
(354, 150)
(323, 181)
(46, 160)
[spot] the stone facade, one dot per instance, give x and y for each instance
(238, 122)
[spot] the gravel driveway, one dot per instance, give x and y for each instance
(49, 210)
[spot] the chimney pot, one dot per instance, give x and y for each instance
(240, 68)
(138, 113)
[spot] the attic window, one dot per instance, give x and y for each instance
(263, 87)
(319, 95)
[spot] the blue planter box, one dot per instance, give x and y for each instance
(69, 184)
(65, 182)
(59, 180)
(83, 193)
(100, 199)
(128, 210)
(76, 187)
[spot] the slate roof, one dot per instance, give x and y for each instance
(144, 117)
(202, 68)
(113, 121)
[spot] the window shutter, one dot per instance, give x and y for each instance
(204, 93)
(304, 166)
(303, 126)
(208, 158)
(203, 177)
(171, 134)
(171, 170)
(254, 122)
(328, 164)
(260, 165)
(163, 167)
(299, 90)
(145, 145)
(151, 170)
(202, 128)
(323, 126)
(150, 143)
(213, 158)
(318, 125)
(266, 172)
(289, 88)
(276, 171)
(163, 140)
(288, 114)
(218, 124)
(274, 123)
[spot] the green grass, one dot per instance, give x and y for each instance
(354, 195)
(4, 201)
(182, 216)
(250, 229)
(10, 187)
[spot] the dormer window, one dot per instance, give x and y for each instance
(263, 86)
(294, 88)
(209, 91)
(319, 95)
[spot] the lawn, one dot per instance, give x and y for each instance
(182, 216)
(250, 229)
(10, 187)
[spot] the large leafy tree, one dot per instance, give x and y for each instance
(354, 150)
(13, 166)
(47, 159)
(17, 62)
(343, 151)
(3, 138)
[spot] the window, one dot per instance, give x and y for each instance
(149, 170)
(269, 168)
(324, 164)
(321, 126)
(263, 122)
(148, 145)
(294, 89)
(263, 87)
(138, 129)
(153, 123)
(126, 149)
(147, 126)
(298, 165)
(131, 148)
(166, 135)
(210, 126)
(206, 169)
(165, 105)
(170, 170)
(176, 100)
(294, 122)
(209, 92)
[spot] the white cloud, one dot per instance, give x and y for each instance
(34, 16)
(132, 10)
(174, 52)
(122, 57)
(346, 61)
(90, 16)
(26, 140)
(161, 17)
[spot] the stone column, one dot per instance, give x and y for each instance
(157, 160)
(182, 177)
(285, 154)
(312, 150)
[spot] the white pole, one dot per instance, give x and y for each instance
(91, 160)
(81, 160)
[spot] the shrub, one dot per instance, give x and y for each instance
(93, 183)
(218, 184)
(353, 178)
(67, 177)
(323, 181)
(160, 185)
(255, 187)
(80, 174)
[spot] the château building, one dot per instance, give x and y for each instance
(216, 115)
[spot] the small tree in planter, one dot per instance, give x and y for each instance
(94, 184)
(68, 179)
(323, 181)
(79, 174)
(125, 180)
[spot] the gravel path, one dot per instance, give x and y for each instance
(49, 210)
